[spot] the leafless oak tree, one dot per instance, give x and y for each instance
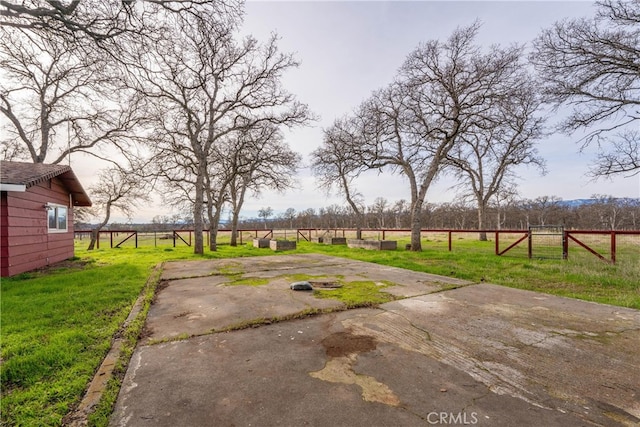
(484, 159)
(593, 66)
(377, 209)
(336, 164)
(203, 87)
(264, 161)
(265, 214)
(116, 190)
(246, 161)
(446, 91)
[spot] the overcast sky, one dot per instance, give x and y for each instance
(349, 49)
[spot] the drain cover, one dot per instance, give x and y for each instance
(326, 285)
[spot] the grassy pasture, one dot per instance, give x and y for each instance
(57, 325)
(544, 247)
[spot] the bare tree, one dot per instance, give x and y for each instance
(606, 212)
(400, 210)
(116, 190)
(289, 215)
(632, 210)
(216, 190)
(202, 88)
(484, 160)
(445, 91)
(622, 157)
(262, 161)
(265, 214)
(58, 101)
(542, 209)
(99, 20)
(336, 164)
(598, 212)
(246, 161)
(505, 199)
(593, 66)
(307, 218)
(379, 209)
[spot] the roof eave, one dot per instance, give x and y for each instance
(78, 195)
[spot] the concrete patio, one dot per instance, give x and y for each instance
(445, 352)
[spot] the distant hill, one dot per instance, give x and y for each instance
(580, 202)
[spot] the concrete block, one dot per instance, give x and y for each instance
(376, 245)
(261, 243)
(282, 245)
(335, 240)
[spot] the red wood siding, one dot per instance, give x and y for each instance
(26, 241)
(4, 239)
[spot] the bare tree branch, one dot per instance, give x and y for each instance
(593, 66)
(59, 102)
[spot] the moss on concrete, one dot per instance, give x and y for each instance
(360, 293)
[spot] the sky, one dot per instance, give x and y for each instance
(348, 49)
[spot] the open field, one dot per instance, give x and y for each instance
(57, 325)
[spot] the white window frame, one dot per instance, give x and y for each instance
(56, 209)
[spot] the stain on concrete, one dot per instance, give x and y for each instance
(343, 349)
(345, 343)
(340, 370)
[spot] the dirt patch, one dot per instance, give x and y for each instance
(163, 284)
(69, 264)
(344, 343)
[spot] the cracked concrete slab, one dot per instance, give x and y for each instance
(555, 353)
(268, 376)
(475, 355)
(201, 298)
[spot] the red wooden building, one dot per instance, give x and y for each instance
(36, 215)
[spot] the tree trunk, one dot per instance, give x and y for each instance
(94, 238)
(213, 239)
(96, 231)
(482, 236)
(198, 223)
(234, 228)
(215, 211)
(237, 203)
(359, 220)
(416, 226)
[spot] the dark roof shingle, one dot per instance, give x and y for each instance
(30, 174)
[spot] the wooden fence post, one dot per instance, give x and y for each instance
(613, 247)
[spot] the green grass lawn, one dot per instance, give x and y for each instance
(57, 325)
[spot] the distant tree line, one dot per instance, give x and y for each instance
(598, 213)
(601, 212)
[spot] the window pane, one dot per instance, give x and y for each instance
(51, 212)
(62, 218)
